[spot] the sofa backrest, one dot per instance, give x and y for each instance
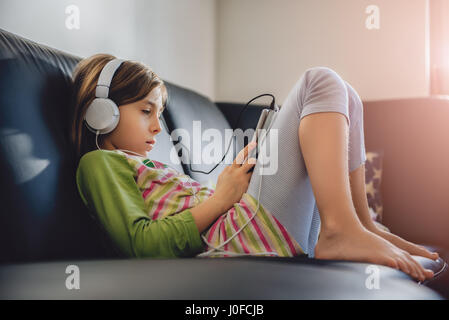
(42, 216)
(205, 127)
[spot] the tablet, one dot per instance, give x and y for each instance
(266, 118)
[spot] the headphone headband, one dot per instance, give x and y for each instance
(102, 115)
(105, 78)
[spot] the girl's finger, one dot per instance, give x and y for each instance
(249, 154)
(240, 157)
(248, 164)
(243, 154)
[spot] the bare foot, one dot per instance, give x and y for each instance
(410, 247)
(358, 244)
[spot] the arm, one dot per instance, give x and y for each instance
(207, 212)
(107, 187)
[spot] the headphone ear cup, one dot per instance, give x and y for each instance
(102, 115)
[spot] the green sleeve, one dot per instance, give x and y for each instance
(107, 187)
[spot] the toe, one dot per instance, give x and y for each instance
(429, 273)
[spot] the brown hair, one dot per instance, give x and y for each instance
(132, 82)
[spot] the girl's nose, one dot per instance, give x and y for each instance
(156, 127)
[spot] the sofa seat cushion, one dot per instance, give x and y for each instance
(239, 278)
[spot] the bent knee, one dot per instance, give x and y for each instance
(321, 70)
(324, 77)
(354, 101)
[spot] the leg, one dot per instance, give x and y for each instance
(318, 101)
(288, 193)
(327, 166)
(325, 91)
(359, 199)
(357, 157)
(324, 140)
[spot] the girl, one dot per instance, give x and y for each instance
(315, 204)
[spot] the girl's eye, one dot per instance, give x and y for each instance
(147, 112)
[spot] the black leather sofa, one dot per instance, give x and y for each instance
(44, 226)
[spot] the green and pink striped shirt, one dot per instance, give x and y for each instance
(144, 205)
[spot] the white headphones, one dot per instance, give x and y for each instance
(102, 115)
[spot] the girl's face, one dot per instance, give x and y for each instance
(138, 125)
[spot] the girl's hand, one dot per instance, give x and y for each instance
(233, 181)
(411, 248)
